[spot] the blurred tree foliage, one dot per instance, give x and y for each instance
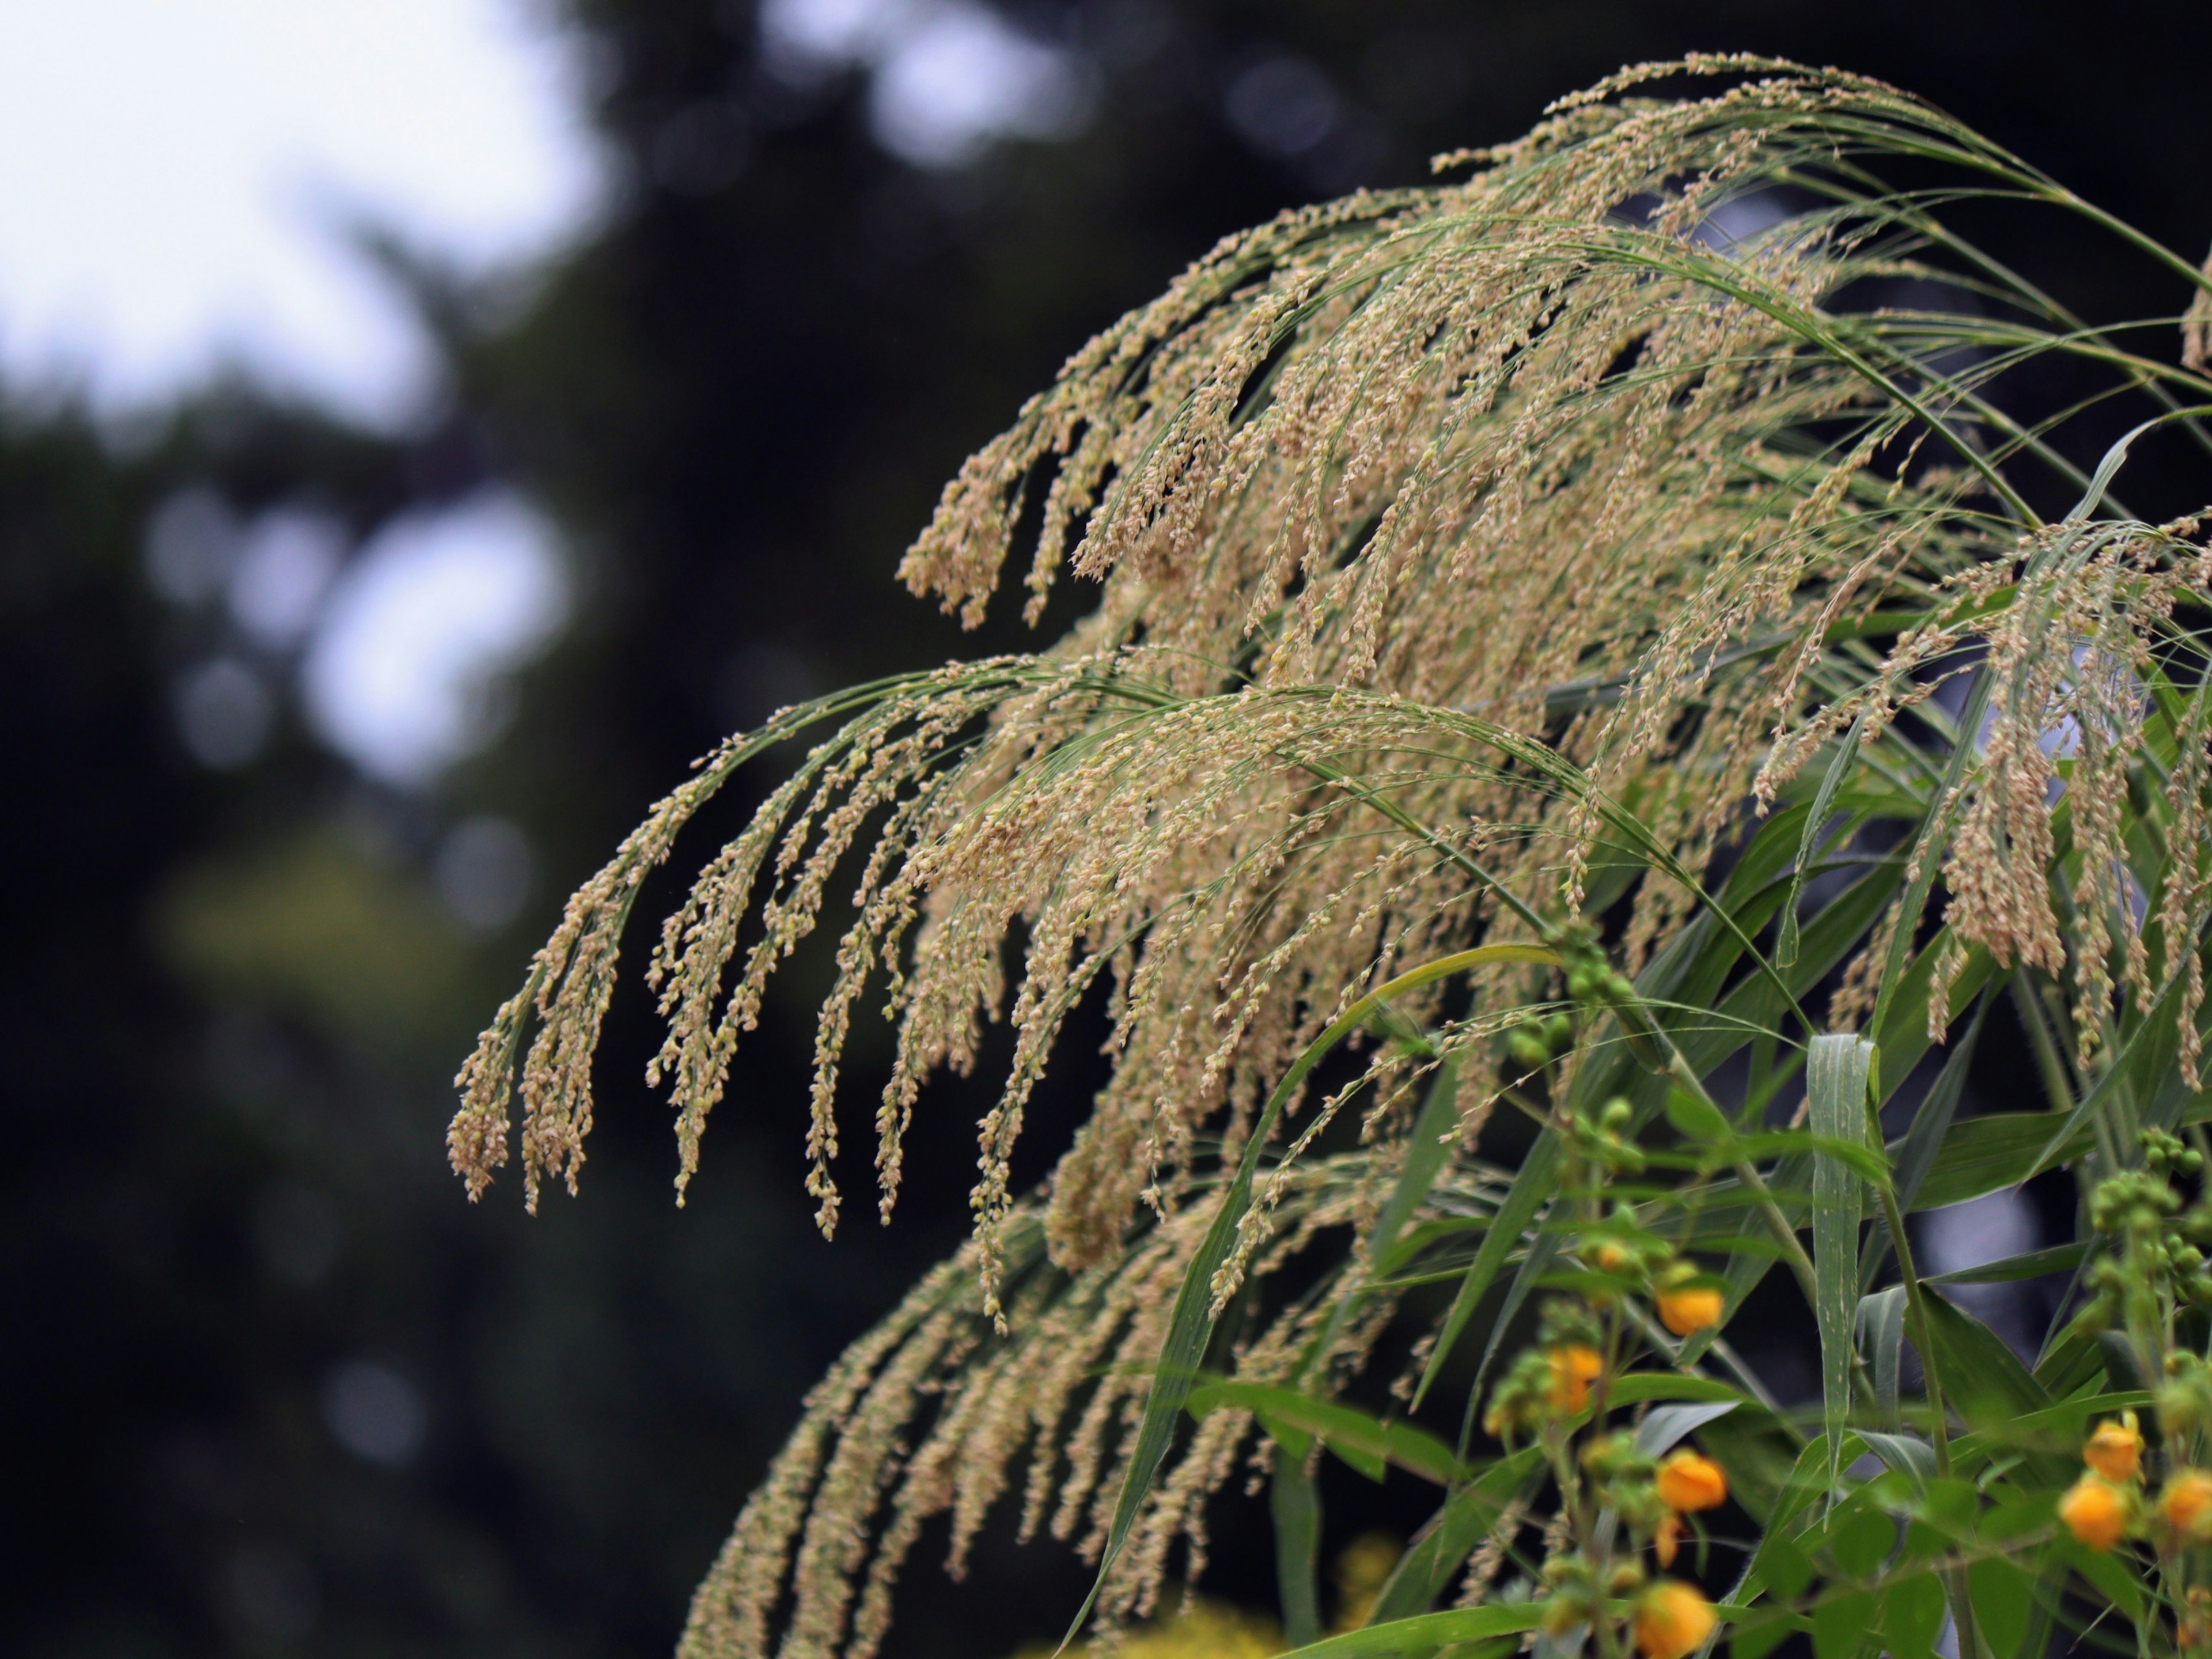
(231, 1000)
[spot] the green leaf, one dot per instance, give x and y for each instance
(1427, 1629)
(2017, 1514)
(1659, 1430)
(1531, 1188)
(2058, 1428)
(1753, 1004)
(1294, 1506)
(1905, 1453)
(1782, 1566)
(1361, 1440)
(1861, 1159)
(2032, 1265)
(1999, 1149)
(1756, 1638)
(1697, 1120)
(2111, 1579)
(1836, 1074)
(1816, 817)
(1542, 1249)
(1638, 1386)
(1932, 1124)
(1840, 1624)
(1982, 1382)
(2003, 1597)
(1881, 1326)
(1758, 1454)
(2071, 1361)
(1861, 1538)
(1912, 1615)
(1950, 1505)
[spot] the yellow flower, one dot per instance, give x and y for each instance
(1574, 1369)
(1608, 1255)
(1688, 1481)
(1668, 1540)
(1672, 1620)
(2115, 1450)
(2186, 1504)
(1690, 1310)
(2093, 1513)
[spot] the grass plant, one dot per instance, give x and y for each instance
(1619, 654)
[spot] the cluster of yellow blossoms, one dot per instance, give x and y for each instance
(2106, 1503)
(1583, 1341)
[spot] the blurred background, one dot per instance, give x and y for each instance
(424, 425)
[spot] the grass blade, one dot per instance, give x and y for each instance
(1294, 1505)
(1785, 945)
(1538, 1176)
(1426, 1630)
(1836, 1074)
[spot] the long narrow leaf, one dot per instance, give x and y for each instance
(1428, 1630)
(1847, 749)
(2058, 1259)
(1538, 1176)
(1836, 1076)
(1294, 1505)
(1365, 1442)
(1882, 1319)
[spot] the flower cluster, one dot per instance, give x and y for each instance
(1614, 1490)
(2152, 1272)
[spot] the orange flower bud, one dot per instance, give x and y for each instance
(1688, 1481)
(1574, 1368)
(1668, 1540)
(2186, 1504)
(1673, 1619)
(2093, 1513)
(1690, 1310)
(2115, 1450)
(1608, 1255)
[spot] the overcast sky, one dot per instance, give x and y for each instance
(174, 174)
(177, 179)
